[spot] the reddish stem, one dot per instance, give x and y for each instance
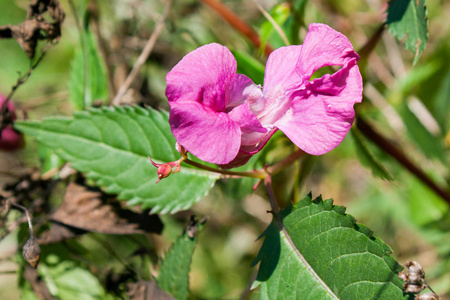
(238, 24)
(399, 156)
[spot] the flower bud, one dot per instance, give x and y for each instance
(427, 296)
(164, 170)
(31, 252)
(413, 277)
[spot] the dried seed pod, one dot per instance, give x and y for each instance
(427, 296)
(414, 277)
(31, 252)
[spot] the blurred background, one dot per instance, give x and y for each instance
(409, 104)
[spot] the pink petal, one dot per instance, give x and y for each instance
(204, 75)
(209, 135)
(324, 46)
(10, 139)
(248, 122)
(280, 78)
(246, 152)
(281, 68)
(243, 90)
(317, 123)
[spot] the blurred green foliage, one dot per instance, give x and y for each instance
(405, 213)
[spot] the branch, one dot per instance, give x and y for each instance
(238, 24)
(144, 55)
(21, 80)
(400, 157)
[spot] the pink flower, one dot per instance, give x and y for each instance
(209, 105)
(10, 139)
(224, 118)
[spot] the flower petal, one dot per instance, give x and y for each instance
(281, 68)
(280, 78)
(246, 152)
(324, 46)
(247, 121)
(209, 135)
(205, 75)
(243, 90)
(318, 121)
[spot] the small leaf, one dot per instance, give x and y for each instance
(430, 145)
(174, 274)
(320, 252)
(407, 18)
(111, 146)
(367, 158)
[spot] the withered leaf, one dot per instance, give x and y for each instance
(87, 210)
(146, 290)
(58, 233)
(36, 27)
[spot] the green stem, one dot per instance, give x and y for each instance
(271, 195)
(288, 161)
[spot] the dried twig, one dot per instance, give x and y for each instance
(31, 250)
(21, 80)
(275, 25)
(144, 54)
(36, 27)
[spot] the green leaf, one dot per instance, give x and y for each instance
(49, 160)
(430, 145)
(322, 252)
(87, 81)
(280, 14)
(367, 158)
(64, 277)
(174, 274)
(248, 65)
(424, 205)
(111, 146)
(408, 18)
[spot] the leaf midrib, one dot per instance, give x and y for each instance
(105, 146)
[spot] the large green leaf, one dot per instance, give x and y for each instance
(111, 146)
(315, 251)
(174, 274)
(408, 18)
